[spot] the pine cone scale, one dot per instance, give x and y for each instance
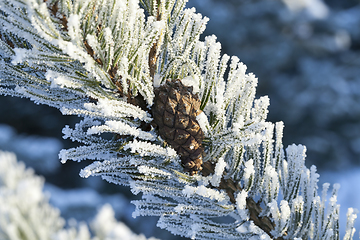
(181, 121)
(170, 106)
(181, 136)
(168, 132)
(168, 119)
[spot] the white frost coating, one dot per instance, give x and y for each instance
(73, 24)
(324, 191)
(190, 81)
(351, 216)
(250, 227)
(63, 156)
(193, 231)
(117, 109)
(20, 55)
(271, 183)
(249, 171)
(148, 149)
(274, 210)
(231, 101)
(285, 211)
(67, 131)
(236, 79)
(105, 226)
(242, 228)
(91, 40)
(180, 208)
(88, 171)
(260, 109)
(241, 205)
(60, 80)
(297, 154)
(271, 172)
(333, 200)
(281, 217)
(36, 219)
(108, 36)
(203, 191)
(122, 129)
(151, 171)
(238, 125)
(203, 122)
(219, 170)
(157, 80)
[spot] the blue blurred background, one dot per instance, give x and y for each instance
(306, 56)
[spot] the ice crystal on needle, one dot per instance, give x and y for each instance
(101, 60)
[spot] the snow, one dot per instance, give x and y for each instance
(204, 192)
(157, 80)
(149, 149)
(74, 25)
(59, 80)
(152, 171)
(219, 170)
(241, 205)
(121, 129)
(117, 109)
(203, 122)
(20, 54)
(191, 81)
(249, 170)
(250, 227)
(285, 211)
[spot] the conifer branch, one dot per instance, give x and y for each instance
(231, 188)
(101, 60)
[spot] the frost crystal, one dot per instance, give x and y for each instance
(219, 170)
(241, 205)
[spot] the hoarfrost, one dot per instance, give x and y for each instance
(20, 55)
(157, 80)
(203, 122)
(219, 170)
(205, 192)
(241, 205)
(249, 171)
(59, 80)
(190, 81)
(149, 149)
(122, 129)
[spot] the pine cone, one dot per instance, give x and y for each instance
(175, 109)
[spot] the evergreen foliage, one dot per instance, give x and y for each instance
(26, 214)
(101, 60)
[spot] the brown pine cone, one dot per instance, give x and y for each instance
(174, 111)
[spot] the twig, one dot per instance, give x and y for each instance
(254, 209)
